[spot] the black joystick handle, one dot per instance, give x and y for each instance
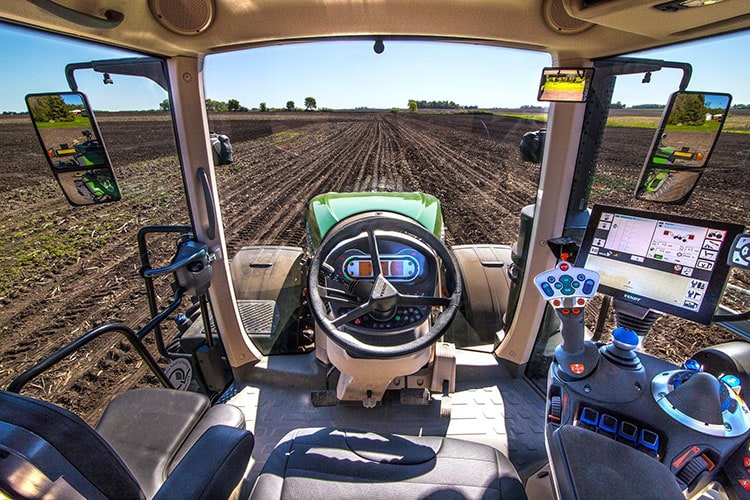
(571, 329)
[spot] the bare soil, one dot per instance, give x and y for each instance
(65, 270)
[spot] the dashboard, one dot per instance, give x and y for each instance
(407, 264)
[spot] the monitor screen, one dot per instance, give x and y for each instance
(664, 262)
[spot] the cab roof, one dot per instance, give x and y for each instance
(569, 30)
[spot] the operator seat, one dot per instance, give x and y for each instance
(325, 463)
(164, 444)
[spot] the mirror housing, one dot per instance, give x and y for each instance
(682, 146)
(565, 84)
(72, 144)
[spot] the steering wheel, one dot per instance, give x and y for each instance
(378, 296)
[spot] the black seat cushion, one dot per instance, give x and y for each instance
(581, 459)
(75, 440)
(330, 463)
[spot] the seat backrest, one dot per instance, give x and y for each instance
(28, 425)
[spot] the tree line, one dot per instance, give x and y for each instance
(422, 104)
(233, 105)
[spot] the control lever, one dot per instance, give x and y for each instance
(622, 349)
(567, 288)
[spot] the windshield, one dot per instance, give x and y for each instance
(444, 119)
(447, 119)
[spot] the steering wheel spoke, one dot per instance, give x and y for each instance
(372, 243)
(423, 300)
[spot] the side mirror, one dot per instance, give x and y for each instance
(686, 136)
(73, 147)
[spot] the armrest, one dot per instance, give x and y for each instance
(213, 467)
(589, 465)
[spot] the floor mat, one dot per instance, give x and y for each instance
(488, 406)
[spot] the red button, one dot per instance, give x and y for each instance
(745, 483)
(577, 368)
(564, 266)
(581, 302)
(746, 462)
(566, 311)
(576, 311)
(556, 303)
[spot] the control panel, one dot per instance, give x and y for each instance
(567, 286)
(402, 317)
(620, 429)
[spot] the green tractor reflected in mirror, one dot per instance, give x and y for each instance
(70, 138)
(682, 146)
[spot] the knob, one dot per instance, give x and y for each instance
(733, 383)
(692, 365)
(555, 409)
(622, 349)
(624, 339)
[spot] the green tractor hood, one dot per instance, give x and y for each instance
(326, 210)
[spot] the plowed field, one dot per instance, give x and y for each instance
(65, 270)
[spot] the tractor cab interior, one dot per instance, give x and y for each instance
(380, 300)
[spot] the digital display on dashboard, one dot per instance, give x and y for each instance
(399, 267)
(664, 262)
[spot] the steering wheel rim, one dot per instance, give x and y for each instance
(356, 344)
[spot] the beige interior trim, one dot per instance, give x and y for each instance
(186, 81)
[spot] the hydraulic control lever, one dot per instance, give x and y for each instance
(567, 288)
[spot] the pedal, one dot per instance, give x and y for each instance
(445, 407)
(444, 367)
(445, 402)
(323, 398)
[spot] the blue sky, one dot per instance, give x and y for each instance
(350, 74)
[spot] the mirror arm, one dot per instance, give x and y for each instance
(148, 67)
(631, 65)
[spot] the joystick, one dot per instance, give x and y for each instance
(567, 288)
(622, 349)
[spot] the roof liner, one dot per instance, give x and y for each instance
(617, 26)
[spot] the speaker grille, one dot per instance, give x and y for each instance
(185, 17)
(558, 19)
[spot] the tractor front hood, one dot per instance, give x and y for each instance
(326, 210)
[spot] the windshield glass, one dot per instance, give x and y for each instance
(440, 118)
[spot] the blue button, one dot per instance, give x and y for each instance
(649, 440)
(558, 285)
(589, 416)
(693, 365)
(731, 381)
(547, 290)
(628, 432)
(588, 286)
(551, 279)
(581, 277)
(608, 423)
(566, 279)
(576, 284)
(568, 291)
